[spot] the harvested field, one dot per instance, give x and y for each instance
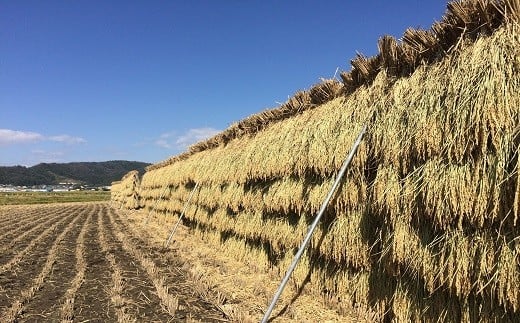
(79, 262)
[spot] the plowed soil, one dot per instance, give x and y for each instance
(77, 262)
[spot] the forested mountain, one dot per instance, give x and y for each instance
(89, 173)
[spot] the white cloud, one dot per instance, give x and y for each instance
(67, 139)
(13, 137)
(170, 140)
(165, 140)
(9, 137)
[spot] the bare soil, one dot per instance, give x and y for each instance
(38, 265)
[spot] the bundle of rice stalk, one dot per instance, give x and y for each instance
(299, 102)
(343, 284)
(386, 191)
(341, 241)
(115, 191)
(350, 195)
(411, 304)
(251, 225)
(468, 193)
(423, 45)
(443, 262)
(465, 265)
(508, 269)
(389, 53)
(208, 195)
(325, 91)
(130, 190)
(347, 240)
(284, 196)
(235, 247)
(408, 252)
(461, 106)
(245, 225)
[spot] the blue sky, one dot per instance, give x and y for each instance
(142, 80)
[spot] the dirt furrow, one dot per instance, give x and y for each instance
(21, 274)
(17, 218)
(92, 300)
(11, 314)
(26, 221)
(10, 212)
(119, 301)
(170, 302)
(7, 263)
(140, 287)
(9, 240)
(67, 308)
(46, 304)
(169, 280)
(9, 219)
(13, 226)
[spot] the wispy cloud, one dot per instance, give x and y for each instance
(172, 140)
(9, 137)
(13, 137)
(67, 139)
(165, 140)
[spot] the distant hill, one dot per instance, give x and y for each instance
(89, 173)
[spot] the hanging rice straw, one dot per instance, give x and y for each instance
(167, 243)
(155, 205)
(313, 226)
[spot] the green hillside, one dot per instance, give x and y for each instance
(90, 173)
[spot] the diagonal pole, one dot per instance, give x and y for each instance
(167, 243)
(313, 225)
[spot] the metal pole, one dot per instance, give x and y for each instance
(167, 243)
(155, 204)
(313, 226)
